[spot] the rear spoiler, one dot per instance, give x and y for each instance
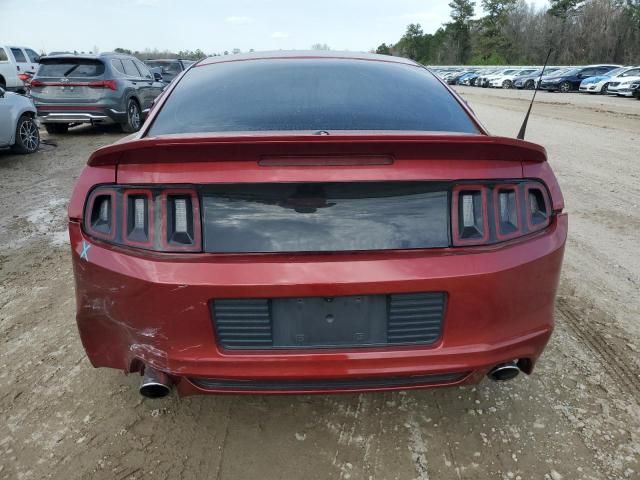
(179, 148)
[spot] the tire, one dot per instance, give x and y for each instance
(134, 117)
(605, 88)
(529, 85)
(507, 84)
(56, 128)
(27, 135)
(565, 87)
(3, 83)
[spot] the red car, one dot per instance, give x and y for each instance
(315, 222)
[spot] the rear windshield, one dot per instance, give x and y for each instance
(312, 95)
(171, 68)
(70, 67)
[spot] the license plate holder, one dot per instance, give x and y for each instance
(312, 322)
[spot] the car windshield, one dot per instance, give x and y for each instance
(557, 73)
(618, 71)
(70, 67)
(311, 95)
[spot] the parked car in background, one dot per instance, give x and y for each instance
(18, 127)
(570, 80)
(507, 80)
(15, 61)
(97, 89)
(529, 81)
(472, 79)
(600, 83)
(454, 79)
(621, 85)
(169, 68)
(238, 251)
(485, 80)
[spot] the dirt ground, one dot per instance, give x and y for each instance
(577, 417)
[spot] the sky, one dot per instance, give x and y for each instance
(214, 25)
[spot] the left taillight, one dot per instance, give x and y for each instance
(164, 220)
(486, 213)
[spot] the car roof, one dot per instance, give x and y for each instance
(293, 54)
(164, 59)
(90, 56)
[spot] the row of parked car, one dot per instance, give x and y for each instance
(603, 79)
(62, 90)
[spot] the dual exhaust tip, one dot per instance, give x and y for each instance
(157, 384)
(504, 372)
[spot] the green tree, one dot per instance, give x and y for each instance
(493, 43)
(383, 49)
(462, 12)
(412, 43)
(564, 8)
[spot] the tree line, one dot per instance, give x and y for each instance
(517, 33)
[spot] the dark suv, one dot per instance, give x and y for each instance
(169, 68)
(97, 89)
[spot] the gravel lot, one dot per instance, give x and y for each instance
(577, 417)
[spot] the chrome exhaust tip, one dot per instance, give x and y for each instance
(155, 384)
(504, 372)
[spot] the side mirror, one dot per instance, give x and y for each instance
(157, 77)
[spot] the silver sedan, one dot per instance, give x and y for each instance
(18, 127)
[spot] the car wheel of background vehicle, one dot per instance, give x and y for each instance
(529, 85)
(134, 118)
(3, 84)
(604, 89)
(507, 84)
(27, 135)
(565, 87)
(55, 128)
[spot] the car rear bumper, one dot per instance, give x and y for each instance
(94, 114)
(154, 309)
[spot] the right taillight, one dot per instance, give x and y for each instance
(486, 213)
(165, 220)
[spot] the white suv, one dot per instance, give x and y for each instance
(14, 61)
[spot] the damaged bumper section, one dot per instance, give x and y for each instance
(491, 305)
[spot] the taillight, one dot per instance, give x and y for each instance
(37, 83)
(487, 213)
(24, 77)
(166, 220)
(110, 84)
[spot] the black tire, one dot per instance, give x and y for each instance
(56, 128)
(3, 84)
(27, 135)
(565, 87)
(134, 117)
(507, 84)
(604, 89)
(529, 85)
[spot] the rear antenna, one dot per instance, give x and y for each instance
(523, 128)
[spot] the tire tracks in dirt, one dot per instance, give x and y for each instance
(615, 361)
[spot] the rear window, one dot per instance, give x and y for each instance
(311, 95)
(70, 67)
(166, 68)
(3, 55)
